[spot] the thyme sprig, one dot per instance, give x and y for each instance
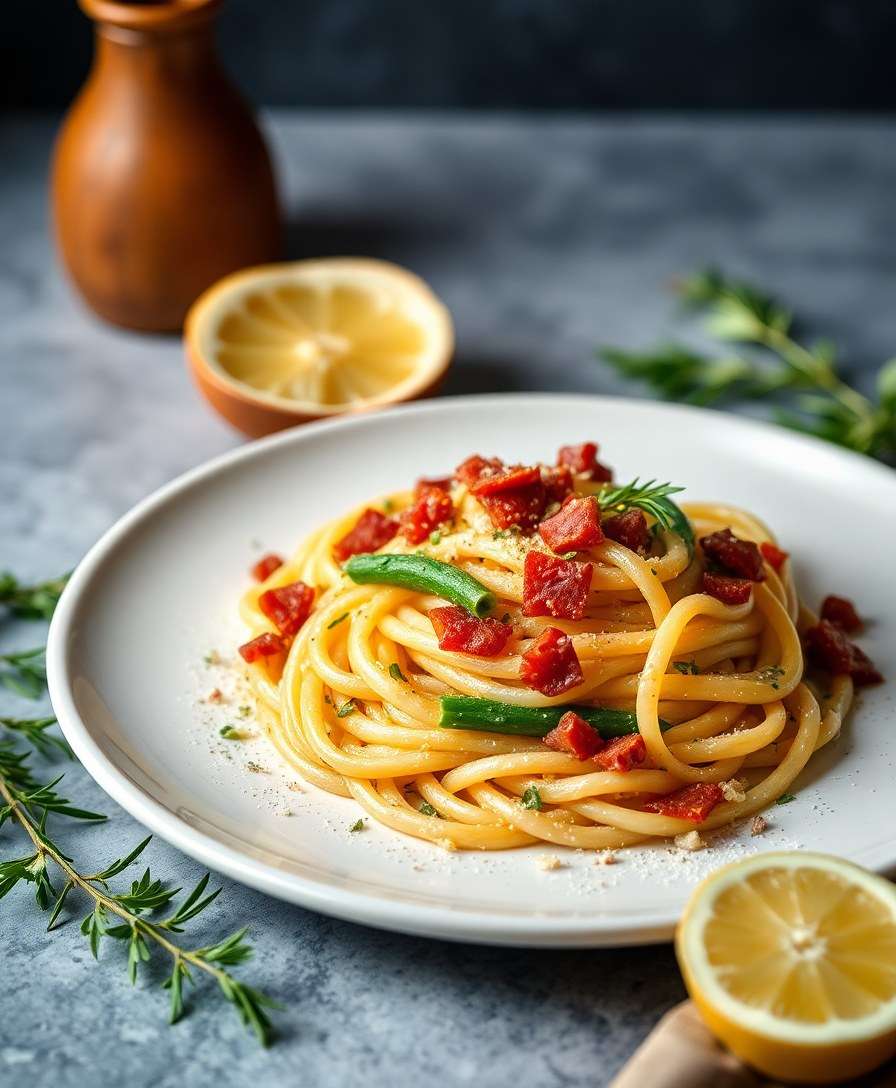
(35, 602)
(29, 803)
(24, 672)
(653, 499)
(820, 402)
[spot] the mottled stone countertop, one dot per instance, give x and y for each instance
(545, 237)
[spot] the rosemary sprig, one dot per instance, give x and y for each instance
(737, 312)
(29, 804)
(653, 499)
(34, 731)
(24, 672)
(35, 602)
(116, 915)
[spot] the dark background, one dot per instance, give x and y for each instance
(585, 54)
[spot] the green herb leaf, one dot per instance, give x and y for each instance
(358, 825)
(34, 731)
(346, 709)
(337, 621)
(230, 732)
(806, 374)
(531, 798)
(786, 798)
(37, 602)
(770, 674)
(396, 673)
(653, 499)
(24, 672)
(687, 668)
(886, 386)
(427, 809)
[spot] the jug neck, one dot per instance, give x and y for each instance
(136, 23)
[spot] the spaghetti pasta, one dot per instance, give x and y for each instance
(599, 603)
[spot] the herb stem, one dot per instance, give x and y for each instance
(803, 361)
(77, 880)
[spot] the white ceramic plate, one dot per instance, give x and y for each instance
(127, 678)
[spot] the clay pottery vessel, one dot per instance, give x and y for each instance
(161, 179)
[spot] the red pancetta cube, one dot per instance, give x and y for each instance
(830, 649)
(457, 629)
(287, 606)
(264, 646)
(628, 529)
(432, 507)
(622, 753)
(692, 802)
(370, 532)
(573, 735)
(575, 526)
(733, 555)
(510, 479)
(582, 460)
(842, 612)
(266, 566)
(521, 508)
(773, 555)
(727, 589)
(558, 484)
(551, 664)
(555, 587)
(474, 468)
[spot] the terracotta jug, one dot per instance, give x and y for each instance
(161, 179)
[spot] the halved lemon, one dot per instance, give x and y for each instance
(791, 960)
(284, 343)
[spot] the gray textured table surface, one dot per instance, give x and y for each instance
(545, 237)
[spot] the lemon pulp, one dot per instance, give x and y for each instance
(323, 336)
(334, 345)
(804, 945)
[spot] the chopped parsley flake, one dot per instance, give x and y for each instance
(338, 620)
(500, 534)
(396, 673)
(435, 537)
(686, 668)
(245, 711)
(346, 709)
(211, 658)
(786, 798)
(771, 674)
(358, 825)
(531, 799)
(427, 809)
(230, 732)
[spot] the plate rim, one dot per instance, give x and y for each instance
(443, 922)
